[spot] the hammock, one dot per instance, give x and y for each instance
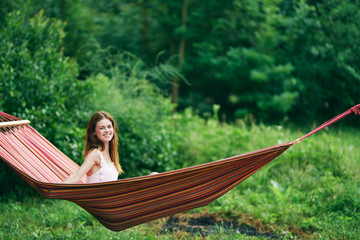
(128, 202)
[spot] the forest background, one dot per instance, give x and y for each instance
(174, 71)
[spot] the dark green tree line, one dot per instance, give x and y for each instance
(268, 59)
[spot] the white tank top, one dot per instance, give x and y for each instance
(106, 173)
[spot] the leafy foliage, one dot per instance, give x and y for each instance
(39, 82)
(272, 60)
(144, 116)
(147, 141)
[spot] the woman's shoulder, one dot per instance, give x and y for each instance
(94, 151)
(93, 154)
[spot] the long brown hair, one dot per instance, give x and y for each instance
(92, 142)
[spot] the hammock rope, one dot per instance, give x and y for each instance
(355, 110)
(128, 202)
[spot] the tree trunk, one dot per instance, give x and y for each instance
(145, 26)
(182, 44)
(63, 10)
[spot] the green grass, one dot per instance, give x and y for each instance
(311, 191)
(37, 218)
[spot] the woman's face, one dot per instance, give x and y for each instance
(104, 130)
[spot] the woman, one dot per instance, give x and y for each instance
(101, 159)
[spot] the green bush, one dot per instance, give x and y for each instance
(38, 83)
(148, 139)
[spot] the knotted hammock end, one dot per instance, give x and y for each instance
(356, 109)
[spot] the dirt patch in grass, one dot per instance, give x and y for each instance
(204, 224)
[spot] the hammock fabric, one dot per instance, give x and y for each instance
(125, 203)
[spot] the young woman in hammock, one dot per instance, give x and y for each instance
(101, 159)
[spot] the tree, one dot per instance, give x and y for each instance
(321, 46)
(235, 63)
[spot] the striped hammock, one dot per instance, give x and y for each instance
(125, 203)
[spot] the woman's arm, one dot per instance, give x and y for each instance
(91, 160)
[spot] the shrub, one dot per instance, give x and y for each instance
(38, 83)
(148, 139)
